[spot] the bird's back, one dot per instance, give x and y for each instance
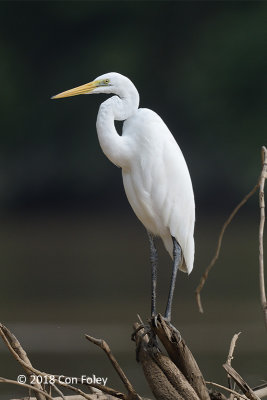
(158, 184)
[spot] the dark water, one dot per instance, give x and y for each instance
(62, 277)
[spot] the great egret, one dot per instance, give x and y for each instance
(155, 175)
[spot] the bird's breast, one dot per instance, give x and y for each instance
(138, 192)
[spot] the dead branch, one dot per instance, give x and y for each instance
(232, 347)
(182, 357)
(204, 277)
(96, 396)
(78, 397)
(40, 391)
(74, 389)
(238, 395)
(110, 393)
(15, 345)
(6, 334)
(214, 395)
(164, 378)
(58, 391)
(261, 231)
(248, 392)
(261, 390)
(174, 378)
(132, 395)
(230, 355)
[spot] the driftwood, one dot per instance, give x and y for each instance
(171, 376)
(131, 393)
(248, 392)
(182, 357)
(175, 377)
(94, 389)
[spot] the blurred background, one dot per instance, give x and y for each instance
(74, 258)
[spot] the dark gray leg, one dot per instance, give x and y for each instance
(154, 264)
(177, 260)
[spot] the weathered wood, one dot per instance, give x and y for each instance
(248, 392)
(263, 177)
(181, 356)
(16, 346)
(100, 396)
(217, 396)
(165, 379)
(132, 394)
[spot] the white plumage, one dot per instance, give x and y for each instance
(157, 183)
(155, 175)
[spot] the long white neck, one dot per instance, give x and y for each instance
(118, 108)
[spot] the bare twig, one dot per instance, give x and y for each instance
(104, 346)
(261, 231)
(232, 347)
(112, 393)
(71, 397)
(17, 349)
(261, 390)
(46, 395)
(204, 277)
(260, 185)
(58, 391)
(238, 395)
(4, 333)
(240, 382)
(230, 355)
(74, 389)
(23, 363)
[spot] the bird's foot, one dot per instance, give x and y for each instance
(154, 321)
(151, 345)
(140, 327)
(175, 333)
(146, 327)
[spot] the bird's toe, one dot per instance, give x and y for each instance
(174, 330)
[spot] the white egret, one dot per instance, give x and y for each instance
(155, 175)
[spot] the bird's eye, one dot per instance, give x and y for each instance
(106, 81)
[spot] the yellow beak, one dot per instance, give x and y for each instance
(83, 89)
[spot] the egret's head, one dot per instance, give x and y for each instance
(107, 83)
